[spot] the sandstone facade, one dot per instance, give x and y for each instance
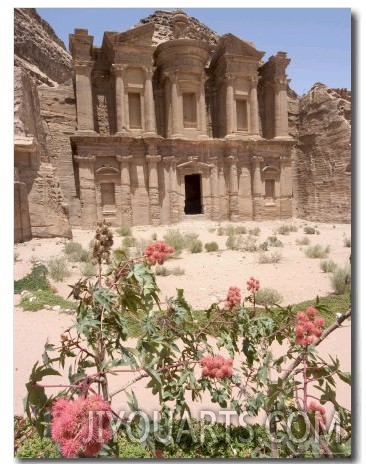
(165, 121)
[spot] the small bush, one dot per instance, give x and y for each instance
(256, 231)
(268, 297)
(88, 269)
(309, 230)
(189, 239)
(328, 265)
(129, 241)
(76, 253)
(35, 280)
(303, 241)
(175, 239)
(163, 271)
(196, 246)
(347, 242)
(317, 251)
(240, 230)
(154, 236)
(16, 256)
(285, 229)
(231, 230)
(263, 246)
(212, 230)
(124, 231)
(58, 269)
(234, 242)
(249, 244)
(40, 298)
(211, 246)
(269, 258)
(274, 241)
(341, 280)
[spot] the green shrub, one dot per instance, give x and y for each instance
(268, 297)
(317, 251)
(154, 236)
(58, 269)
(189, 239)
(211, 246)
(347, 242)
(269, 258)
(40, 298)
(88, 269)
(196, 246)
(212, 230)
(256, 231)
(129, 241)
(124, 231)
(76, 253)
(163, 271)
(309, 230)
(285, 229)
(249, 244)
(241, 230)
(234, 242)
(303, 241)
(35, 280)
(37, 447)
(263, 246)
(341, 280)
(274, 241)
(175, 239)
(328, 265)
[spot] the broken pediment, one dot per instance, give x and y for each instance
(229, 44)
(139, 35)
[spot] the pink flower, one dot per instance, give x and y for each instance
(81, 425)
(253, 285)
(309, 325)
(233, 297)
(216, 367)
(157, 252)
(320, 413)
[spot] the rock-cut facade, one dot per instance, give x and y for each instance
(183, 128)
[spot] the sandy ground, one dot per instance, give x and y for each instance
(206, 279)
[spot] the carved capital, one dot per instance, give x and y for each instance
(153, 159)
(83, 68)
(119, 69)
(229, 78)
(148, 72)
(84, 157)
(172, 76)
(170, 160)
(124, 159)
(256, 160)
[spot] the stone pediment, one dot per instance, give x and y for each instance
(229, 44)
(139, 35)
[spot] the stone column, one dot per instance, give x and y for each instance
(126, 213)
(154, 207)
(119, 72)
(150, 121)
(280, 108)
(233, 188)
(215, 190)
(257, 188)
(285, 187)
(176, 115)
(170, 162)
(202, 107)
(84, 96)
(229, 103)
(254, 113)
(88, 201)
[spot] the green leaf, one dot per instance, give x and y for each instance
(345, 376)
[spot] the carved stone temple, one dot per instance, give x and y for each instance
(180, 128)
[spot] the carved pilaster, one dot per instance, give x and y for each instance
(154, 207)
(280, 107)
(257, 187)
(171, 165)
(176, 105)
(119, 73)
(150, 120)
(88, 201)
(254, 114)
(215, 207)
(233, 187)
(126, 213)
(84, 96)
(229, 79)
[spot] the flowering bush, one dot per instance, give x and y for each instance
(81, 426)
(167, 351)
(157, 252)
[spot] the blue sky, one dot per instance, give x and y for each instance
(318, 40)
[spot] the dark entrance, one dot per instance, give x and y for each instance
(193, 203)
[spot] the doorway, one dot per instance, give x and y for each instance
(193, 199)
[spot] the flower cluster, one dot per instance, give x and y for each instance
(233, 297)
(319, 410)
(216, 367)
(157, 252)
(309, 326)
(81, 426)
(252, 285)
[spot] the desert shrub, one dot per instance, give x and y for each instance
(129, 241)
(303, 241)
(189, 239)
(249, 244)
(40, 298)
(263, 246)
(76, 253)
(228, 230)
(58, 269)
(124, 231)
(268, 297)
(88, 269)
(211, 246)
(341, 280)
(285, 229)
(36, 279)
(256, 231)
(16, 256)
(121, 253)
(212, 230)
(347, 242)
(163, 271)
(154, 236)
(140, 246)
(240, 230)
(317, 251)
(274, 241)
(234, 242)
(175, 239)
(309, 230)
(328, 265)
(196, 246)
(269, 258)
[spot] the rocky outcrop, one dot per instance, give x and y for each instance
(322, 165)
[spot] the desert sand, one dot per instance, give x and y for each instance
(206, 279)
